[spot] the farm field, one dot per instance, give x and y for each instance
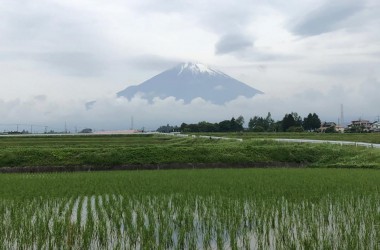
(213, 208)
(104, 152)
(322, 205)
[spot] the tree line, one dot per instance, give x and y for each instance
(291, 122)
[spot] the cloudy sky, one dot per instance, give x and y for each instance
(307, 56)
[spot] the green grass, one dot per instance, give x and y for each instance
(104, 151)
(268, 183)
(229, 208)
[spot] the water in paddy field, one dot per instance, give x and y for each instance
(117, 221)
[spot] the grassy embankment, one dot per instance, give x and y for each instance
(362, 137)
(237, 209)
(106, 151)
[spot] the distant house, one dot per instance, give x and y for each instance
(375, 126)
(326, 125)
(339, 129)
(360, 126)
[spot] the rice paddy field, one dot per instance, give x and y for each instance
(192, 209)
(332, 202)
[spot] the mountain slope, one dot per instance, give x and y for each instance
(191, 80)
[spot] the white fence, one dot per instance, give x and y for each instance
(349, 143)
(203, 136)
(346, 143)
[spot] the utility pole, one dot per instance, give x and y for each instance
(132, 122)
(31, 129)
(65, 128)
(46, 127)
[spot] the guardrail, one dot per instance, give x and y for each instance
(346, 143)
(203, 136)
(349, 143)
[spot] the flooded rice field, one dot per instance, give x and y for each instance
(116, 221)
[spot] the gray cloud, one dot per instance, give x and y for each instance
(256, 55)
(231, 43)
(73, 63)
(267, 56)
(216, 16)
(51, 32)
(261, 68)
(328, 17)
(351, 69)
(45, 24)
(80, 64)
(40, 98)
(228, 18)
(153, 62)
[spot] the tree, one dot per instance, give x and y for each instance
(311, 122)
(258, 121)
(270, 122)
(86, 130)
(307, 122)
(253, 122)
(168, 129)
(233, 124)
(236, 124)
(316, 121)
(287, 122)
(207, 127)
(331, 130)
(240, 121)
(297, 119)
(258, 129)
(225, 126)
(184, 127)
(295, 129)
(277, 126)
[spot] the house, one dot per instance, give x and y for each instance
(360, 126)
(375, 126)
(326, 125)
(339, 129)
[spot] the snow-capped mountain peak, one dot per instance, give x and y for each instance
(196, 68)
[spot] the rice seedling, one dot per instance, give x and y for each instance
(213, 209)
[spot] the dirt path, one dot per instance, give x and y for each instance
(50, 169)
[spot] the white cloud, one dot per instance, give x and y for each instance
(115, 113)
(57, 55)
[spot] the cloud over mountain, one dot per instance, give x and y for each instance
(188, 81)
(232, 42)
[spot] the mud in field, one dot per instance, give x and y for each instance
(161, 166)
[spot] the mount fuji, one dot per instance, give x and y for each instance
(188, 81)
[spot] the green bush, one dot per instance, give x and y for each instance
(295, 129)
